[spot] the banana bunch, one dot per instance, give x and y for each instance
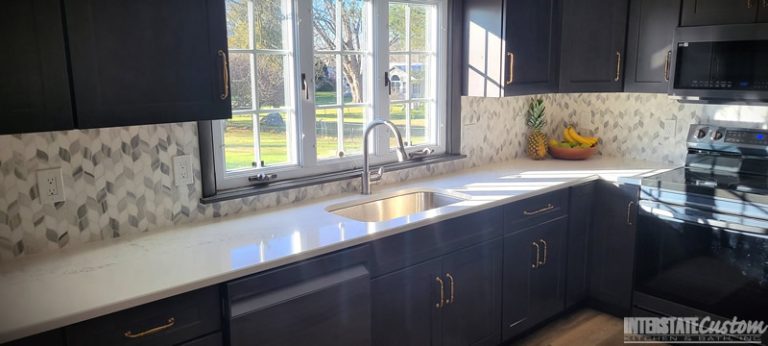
(572, 139)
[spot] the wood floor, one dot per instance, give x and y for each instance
(583, 327)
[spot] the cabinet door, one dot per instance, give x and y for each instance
(519, 260)
(532, 36)
(711, 12)
(405, 306)
(593, 45)
(34, 88)
(762, 14)
(548, 284)
(579, 227)
(143, 61)
(473, 295)
(483, 48)
(652, 25)
(613, 247)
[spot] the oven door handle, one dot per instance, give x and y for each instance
(730, 223)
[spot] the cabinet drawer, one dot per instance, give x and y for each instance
(535, 210)
(165, 322)
(408, 248)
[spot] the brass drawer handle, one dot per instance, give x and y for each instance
(441, 303)
(453, 298)
(668, 64)
(618, 66)
(536, 264)
(749, 3)
(168, 324)
(545, 252)
(224, 74)
(629, 212)
(542, 210)
(511, 68)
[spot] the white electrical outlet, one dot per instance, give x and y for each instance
(669, 128)
(50, 185)
(182, 170)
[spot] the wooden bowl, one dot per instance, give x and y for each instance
(572, 153)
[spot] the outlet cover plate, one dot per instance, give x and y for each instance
(182, 170)
(669, 128)
(50, 186)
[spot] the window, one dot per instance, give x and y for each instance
(298, 114)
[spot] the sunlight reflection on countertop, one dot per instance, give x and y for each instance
(78, 283)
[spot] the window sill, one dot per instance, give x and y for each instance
(221, 196)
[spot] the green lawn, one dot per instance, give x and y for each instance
(239, 134)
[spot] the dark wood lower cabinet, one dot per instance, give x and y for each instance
(534, 276)
(714, 12)
(453, 300)
(577, 244)
(612, 247)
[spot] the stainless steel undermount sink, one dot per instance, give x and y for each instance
(397, 204)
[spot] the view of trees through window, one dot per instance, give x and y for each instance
(263, 129)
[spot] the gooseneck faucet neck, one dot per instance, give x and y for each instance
(401, 154)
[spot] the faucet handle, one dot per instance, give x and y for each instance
(377, 175)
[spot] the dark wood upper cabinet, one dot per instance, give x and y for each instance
(144, 62)
(532, 37)
(34, 92)
(593, 38)
(652, 25)
(482, 52)
(762, 13)
(712, 12)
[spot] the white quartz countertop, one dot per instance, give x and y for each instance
(39, 293)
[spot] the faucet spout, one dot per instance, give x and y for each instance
(401, 154)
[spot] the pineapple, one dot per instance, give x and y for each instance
(537, 140)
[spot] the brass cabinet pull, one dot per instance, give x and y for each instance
(441, 303)
(668, 64)
(629, 212)
(168, 324)
(765, 3)
(618, 66)
(545, 252)
(224, 74)
(453, 298)
(548, 207)
(536, 264)
(511, 57)
(749, 3)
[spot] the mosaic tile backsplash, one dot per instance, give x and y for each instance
(118, 181)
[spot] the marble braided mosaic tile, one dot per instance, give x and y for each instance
(118, 181)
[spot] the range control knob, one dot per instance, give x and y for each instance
(717, 136)
(701, 133)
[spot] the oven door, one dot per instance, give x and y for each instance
(710, 262)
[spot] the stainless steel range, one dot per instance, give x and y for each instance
(702, 237)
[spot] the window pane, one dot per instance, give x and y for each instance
(326, 127)
(238, 32)
(268, 24)
(353, 130)
(398, 75)
(325, 79)
(240, 81)
(354, 86)
(270, 81)
(273, 138)
(397, 114)
(420, 76)
(421, 22)
(353, 25)
(238, 142)
(397, 27)
(324, 24)
(420, 123)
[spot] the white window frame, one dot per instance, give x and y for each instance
(302, 54)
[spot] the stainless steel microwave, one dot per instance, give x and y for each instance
(720, 64)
